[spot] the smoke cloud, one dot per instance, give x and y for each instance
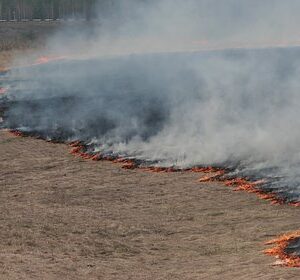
(173, 25)
(175, 83)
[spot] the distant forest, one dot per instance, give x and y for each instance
(22, 10)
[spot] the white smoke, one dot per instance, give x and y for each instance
(144, 91)
(131, 26)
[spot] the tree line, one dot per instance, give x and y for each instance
(18, 10)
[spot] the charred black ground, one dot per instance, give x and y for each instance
(293, 248)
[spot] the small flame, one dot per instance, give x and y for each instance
(279, 251)
(208, 169)
(212, 176)
(78, 149)
(16, 133)
(242, 184)
(2, 90)
(47, 59)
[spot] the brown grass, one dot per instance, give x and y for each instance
(25, 35)
(22, 39)
(63, 217)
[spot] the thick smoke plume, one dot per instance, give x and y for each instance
(170, 82)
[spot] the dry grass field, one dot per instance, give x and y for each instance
(62, 217)
(20, 35)
(22, 38)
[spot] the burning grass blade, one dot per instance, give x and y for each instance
(280, 250)
(17, 133)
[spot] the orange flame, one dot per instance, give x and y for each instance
(16, 133)
(203, 169)
(213, 176)
(279, 250)
(47, 59)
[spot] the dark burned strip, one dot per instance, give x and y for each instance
(293, 247)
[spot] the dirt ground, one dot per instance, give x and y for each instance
(63, 217)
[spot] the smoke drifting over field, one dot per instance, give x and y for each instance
(132, 26)
(207, 108)
(158, 101)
